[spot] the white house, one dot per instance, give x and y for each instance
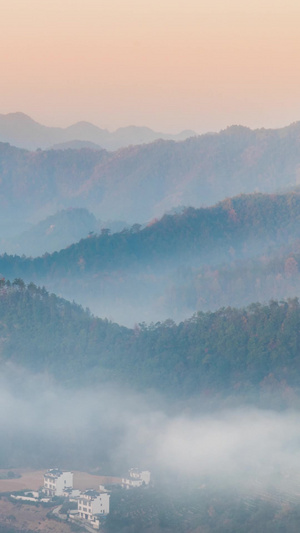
(136, 478)
(56, 481)
(92, 504)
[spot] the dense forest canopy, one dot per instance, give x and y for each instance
(227, 352)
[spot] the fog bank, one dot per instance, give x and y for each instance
(111, 429)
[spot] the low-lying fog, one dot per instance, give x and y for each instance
(110, 430)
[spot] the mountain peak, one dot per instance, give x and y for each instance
(18, 116)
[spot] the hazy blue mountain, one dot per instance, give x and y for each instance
(140, 183)
(76, 145)
(178, 265)
(58, 231)
(20, 130)
(54, 233)
(211, 403)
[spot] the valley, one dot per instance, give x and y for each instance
(165, 340)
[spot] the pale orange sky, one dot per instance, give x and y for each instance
(170, 65)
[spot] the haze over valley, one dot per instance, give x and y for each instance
(188, 252)
(176, 352)
(211, 406)
(149, 266)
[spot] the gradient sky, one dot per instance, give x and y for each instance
(170, 65)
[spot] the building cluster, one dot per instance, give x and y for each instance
(92, 505)
(136, 478)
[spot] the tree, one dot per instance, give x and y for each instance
(18, 282)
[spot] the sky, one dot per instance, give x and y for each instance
(171, 65)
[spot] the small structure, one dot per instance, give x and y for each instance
(71, 494)
(136, 478)
(92, 505)
(29, 496)
(56, 481)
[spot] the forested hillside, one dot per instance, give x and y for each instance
(274, 273)
(239, 226)
(198, 260)
(229, 353)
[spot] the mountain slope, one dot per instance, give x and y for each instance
(53, 233)
(142, 182)
(58, 231)
(176, 266)
(196, 234)
(226, 353)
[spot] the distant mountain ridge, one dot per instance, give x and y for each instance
(22, 131)
(139, 183)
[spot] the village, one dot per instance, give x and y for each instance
(87, 508)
